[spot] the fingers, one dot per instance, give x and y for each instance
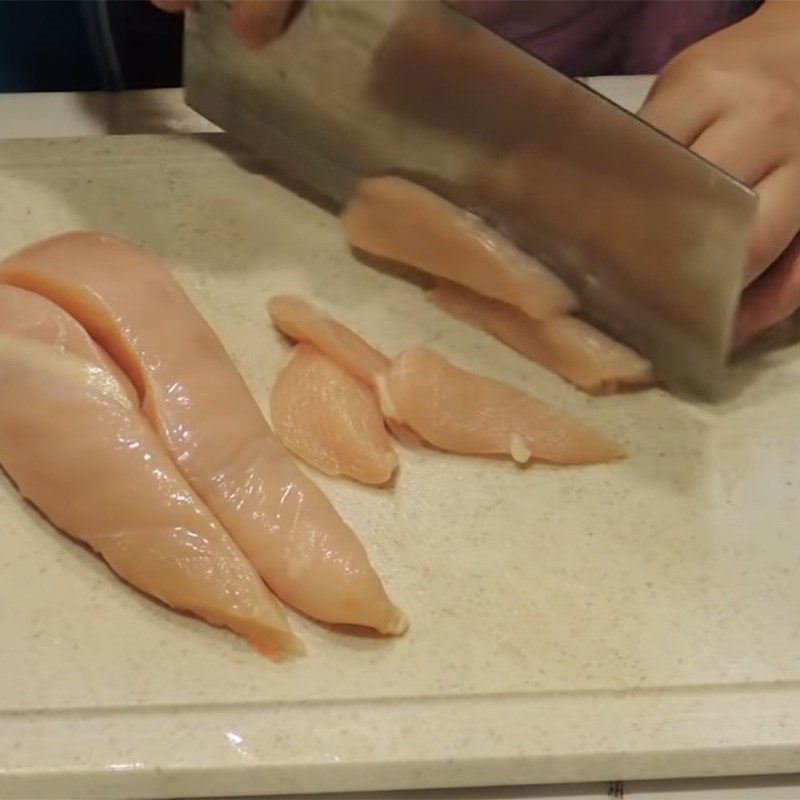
(726, 143)
(171, 6)
(778, 218)
(669, 111)
(256, 22)
(773, 297)
(775, 240)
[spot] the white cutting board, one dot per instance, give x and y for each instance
(640, 619)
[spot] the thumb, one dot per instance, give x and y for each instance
(256, 22)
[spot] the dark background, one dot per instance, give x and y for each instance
(69, 45)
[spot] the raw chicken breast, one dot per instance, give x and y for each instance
(33, 317)
(30, 316)
(298, 319)
(568, 346)
(331, 420)
(210, 423)
(82, 453)
(459, 411)
(394, 218)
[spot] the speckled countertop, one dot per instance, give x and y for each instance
(24, 116)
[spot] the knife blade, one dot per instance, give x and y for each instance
(650, 236)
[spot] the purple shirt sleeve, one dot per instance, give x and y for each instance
(606, 37)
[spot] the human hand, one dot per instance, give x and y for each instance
(255, 22)
(734, 98)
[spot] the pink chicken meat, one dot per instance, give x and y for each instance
(448, 407)
(570, 347)
(77, 446)
(210, 424)
(297, 318)
(462, 412)
(393, 218)
(330, 419)
(30, 316)
(300, 320)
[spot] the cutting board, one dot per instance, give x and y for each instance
(639, 619)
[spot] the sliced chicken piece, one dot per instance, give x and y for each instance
(210, 423)
(300, 320)
(393, 218)
(447, 407)
(568, 346)
(456, 410)
(82, 453)
(331, 420)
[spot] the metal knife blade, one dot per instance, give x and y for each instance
(651, 237)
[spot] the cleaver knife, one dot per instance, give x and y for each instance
(651, 237)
